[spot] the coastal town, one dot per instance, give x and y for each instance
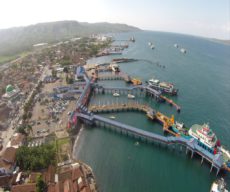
(35, 108)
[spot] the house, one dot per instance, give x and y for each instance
(79, 74)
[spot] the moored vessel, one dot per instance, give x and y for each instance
(205, 137)
(219, 186)
(136, 81)
(116, 94)
(162, 86)
(131, 96)
(114, 67)
(181, 130)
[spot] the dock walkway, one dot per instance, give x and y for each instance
(190, 145)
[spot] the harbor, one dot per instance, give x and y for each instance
(105, 91)
(86, 113)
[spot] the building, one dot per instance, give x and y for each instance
(79, 74)
(11, 93)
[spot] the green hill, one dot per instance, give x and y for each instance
(19, 39)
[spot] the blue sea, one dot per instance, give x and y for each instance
(202, 76)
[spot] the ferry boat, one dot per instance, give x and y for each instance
(116, 94)
(131, 96)
(219, 186)
(162, 86)
(205, 136)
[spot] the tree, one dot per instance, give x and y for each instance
(40, 184)
(21, 130)
(54, 73)
(36, 158)
(65, 70)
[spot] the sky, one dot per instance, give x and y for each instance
(207, 18)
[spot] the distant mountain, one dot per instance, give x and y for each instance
(227, 42)
(18, 39)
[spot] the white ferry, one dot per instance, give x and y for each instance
(205, 136)
(162, 86)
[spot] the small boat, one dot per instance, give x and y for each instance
(131, 96)
(219, 186)
(181, 129)
(149, 43)
(176, 45)
(114, 67)
(136, 143)
(112, 117)
(152, 47)
(182, 50)
(132, 39)
(116, 94)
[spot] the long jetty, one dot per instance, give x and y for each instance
(216, 160)
(134, 106)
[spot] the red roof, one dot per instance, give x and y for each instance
(29, 187)
(9, 155)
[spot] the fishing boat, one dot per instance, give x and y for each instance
(219, 186)
(116, 94)
(162, 86)
(131, 96)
